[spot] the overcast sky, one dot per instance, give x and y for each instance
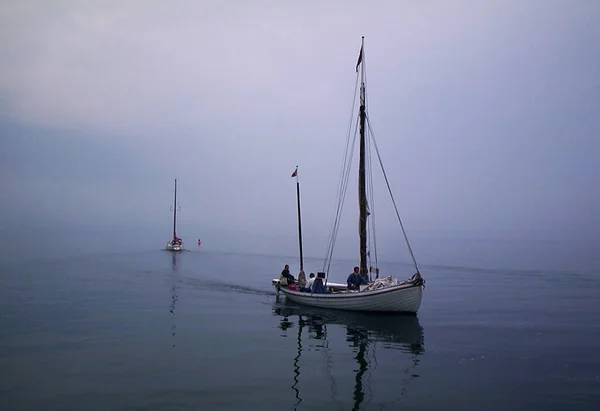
(487, 114)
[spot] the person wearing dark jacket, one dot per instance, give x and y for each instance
(285, 274)
(318, 286)
(355, 280)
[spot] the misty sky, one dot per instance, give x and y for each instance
(487, 114)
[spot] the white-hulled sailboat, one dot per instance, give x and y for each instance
(379, 294)
(175, 244)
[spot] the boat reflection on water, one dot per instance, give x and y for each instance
(365, 333)
(174, 297)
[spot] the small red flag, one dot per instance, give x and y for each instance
(295, 173)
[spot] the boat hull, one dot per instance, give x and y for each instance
(404, 298)
(171, 247)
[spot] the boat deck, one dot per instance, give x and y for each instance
(337, 287)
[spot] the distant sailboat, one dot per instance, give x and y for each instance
(176, 244)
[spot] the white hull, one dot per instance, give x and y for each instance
(404, 298)
(171, 247)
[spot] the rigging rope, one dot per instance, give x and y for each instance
(371, 189)
(340, 207)
(392, 196)
(344, 176)
(371, 136)
(371, 221)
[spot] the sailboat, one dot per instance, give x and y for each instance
(175, 244)
(378, 294)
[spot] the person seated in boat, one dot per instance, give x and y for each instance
(311, 280)
(308, 286)
(318, 286)
(301, 279)
(286, 278)
(355, 280)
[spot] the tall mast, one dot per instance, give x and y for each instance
(175, 211)
(299, 219)
(362, 189)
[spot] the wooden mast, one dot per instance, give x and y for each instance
(362, 189)
(299, 219)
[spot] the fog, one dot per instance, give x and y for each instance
(487, 115)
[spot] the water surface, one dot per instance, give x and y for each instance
(155, 330)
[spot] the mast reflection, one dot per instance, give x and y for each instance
(174, 296)
(363, 333)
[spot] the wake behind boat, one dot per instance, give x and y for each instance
(362, 292)
(175, 244)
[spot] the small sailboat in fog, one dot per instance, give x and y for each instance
(376, 294)
(175, 244)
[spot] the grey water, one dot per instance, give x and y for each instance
(198, 330)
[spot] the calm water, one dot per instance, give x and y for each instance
(202, 331)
